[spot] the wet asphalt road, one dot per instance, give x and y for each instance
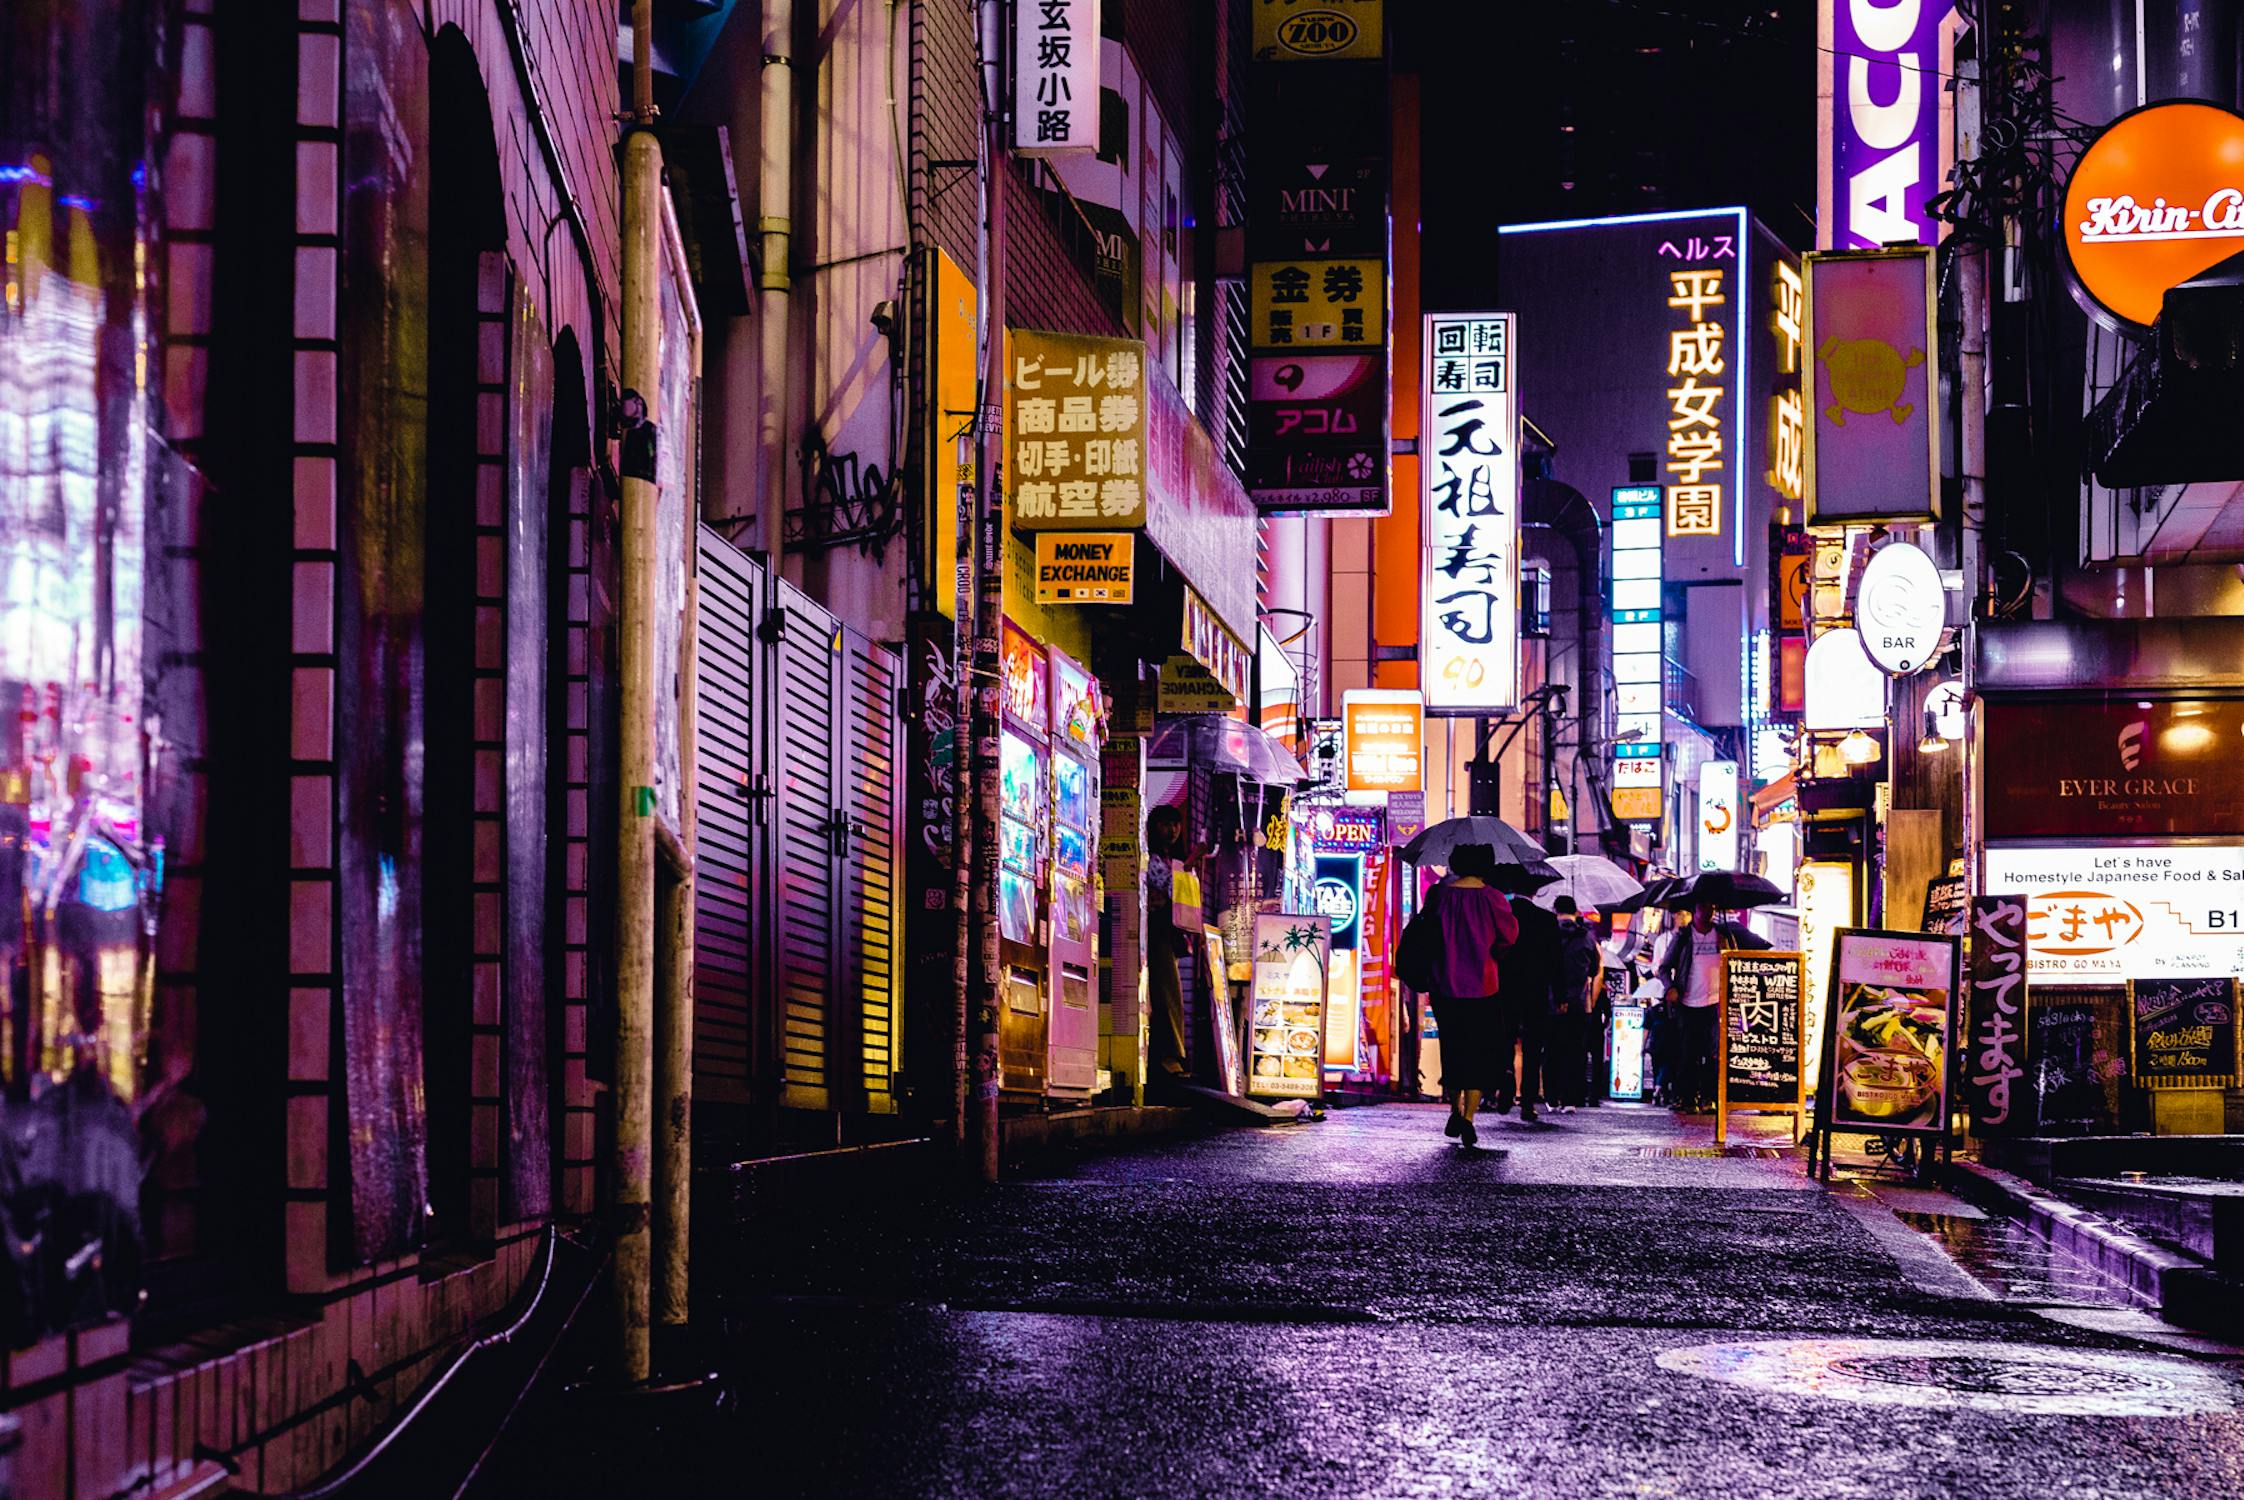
(1354, 1307)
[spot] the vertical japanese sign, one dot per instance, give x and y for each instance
(1995, 1034)
(1056, 76)
(1881, 107)
(1718, 815)
(1639, 654)
(1874, 441)
(1700, 381)
(1788, 427)
(1075, 432)
(1469, 466)
(1317, 175)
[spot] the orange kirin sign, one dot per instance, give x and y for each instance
(2157, 198)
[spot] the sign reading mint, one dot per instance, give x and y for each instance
(2182, 1032)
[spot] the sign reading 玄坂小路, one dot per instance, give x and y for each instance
(1056, 77)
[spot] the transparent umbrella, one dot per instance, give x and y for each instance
(1595, 882)
(1227, 745)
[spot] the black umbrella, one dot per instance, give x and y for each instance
(1525, 879)
(1655, 886)
(1724, 890)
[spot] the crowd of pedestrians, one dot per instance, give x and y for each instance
(1522, 994)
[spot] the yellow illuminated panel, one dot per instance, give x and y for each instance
(1697, 359)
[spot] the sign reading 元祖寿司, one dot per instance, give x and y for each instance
(1469, 466)
(2155, 199)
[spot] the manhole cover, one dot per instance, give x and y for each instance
(2023, 1379)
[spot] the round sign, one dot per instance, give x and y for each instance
(1336, 898)
(1900, 608)
(2155, 199)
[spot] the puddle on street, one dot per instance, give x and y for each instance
(2016, 1264)
(1955, 1374)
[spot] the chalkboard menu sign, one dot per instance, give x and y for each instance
(1761, 1027)
(2182, 1032)
(1944, 905)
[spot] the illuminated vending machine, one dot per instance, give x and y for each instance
(1024, 818)
(1077, 737)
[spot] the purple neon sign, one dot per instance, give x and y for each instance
(1885, 119)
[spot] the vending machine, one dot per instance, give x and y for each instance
(1077, 735)
(1024, 819)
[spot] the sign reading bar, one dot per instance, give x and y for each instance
(1084, 567)
(1994, 1029)
(2154, 200)
(1873, 437)
(1764, 1011)
(1469, 466)
(1075, 432)
(2182, 1033)
(1292, 955)
(1886, 1034)
(1900, 608)
(1056, 73)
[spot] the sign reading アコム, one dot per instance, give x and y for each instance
(1469, 467)
(1075, 432)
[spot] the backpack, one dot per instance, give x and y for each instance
(1417, 950)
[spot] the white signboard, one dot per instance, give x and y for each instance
(1718, 815)
(1469, 463)
(1845, 690)
(1056, 77)
(2105, 914)
(1900, 608)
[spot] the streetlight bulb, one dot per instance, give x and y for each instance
(1858, 749)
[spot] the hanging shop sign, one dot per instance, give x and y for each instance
(1186, 687)
(1286, 1031)
(2182, 1033)
(1075, 432)
(1347, 830)
(1469, 468)
(2124, 768)
(1886, 1033)
(1056, 77)
(1900, 608)
(1873, 435)
(1764, 1009)
(1317, 30)
(1994, 1023)
(1084, 567)
(1788, 411)
(1317, 432)
(2155, 199)
(2103, 913)
(1406, 817)
(1308, 302)
(1718, 815)
(1883, 107)
(1844, 688)
(1383, 735)
(1212, 644)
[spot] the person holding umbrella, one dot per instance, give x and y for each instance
(1453, 944)
(1691, 971)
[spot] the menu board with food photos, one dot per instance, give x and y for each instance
(1286, 1016)
(1886, 1034)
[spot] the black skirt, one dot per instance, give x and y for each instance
(1471, 1043)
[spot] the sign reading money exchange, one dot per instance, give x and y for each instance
(1075, 432)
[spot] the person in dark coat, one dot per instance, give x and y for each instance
(1574, 997)
(1530, 978)
(1475, 923)
(1691, 971)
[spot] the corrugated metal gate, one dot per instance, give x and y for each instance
(797, 930)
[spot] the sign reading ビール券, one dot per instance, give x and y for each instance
(1075, 432)
(1056, 73)
(2154, 200)
(1469, 468)
(1084, 567)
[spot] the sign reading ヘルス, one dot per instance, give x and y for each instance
(2154, 200)
(1084, 567)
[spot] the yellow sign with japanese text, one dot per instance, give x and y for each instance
(1074, 432)
(1084, 567)
(1313, 303)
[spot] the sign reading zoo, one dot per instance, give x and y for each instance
(1469, 466)
(1316, 30)
(2154, 200)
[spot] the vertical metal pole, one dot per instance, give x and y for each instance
(984, 965)
(774, 276)
(635, 844)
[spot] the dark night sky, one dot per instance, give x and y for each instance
(1673, 104)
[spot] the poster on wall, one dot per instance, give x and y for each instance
(1886, 1033)
(1286, 1031)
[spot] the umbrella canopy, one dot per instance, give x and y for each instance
(1436, 843)
(1595, 882)
(1227, 745)
(1724, 890)
(1648, 895)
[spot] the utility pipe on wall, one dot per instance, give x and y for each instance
(635, 842)
(775, 186)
